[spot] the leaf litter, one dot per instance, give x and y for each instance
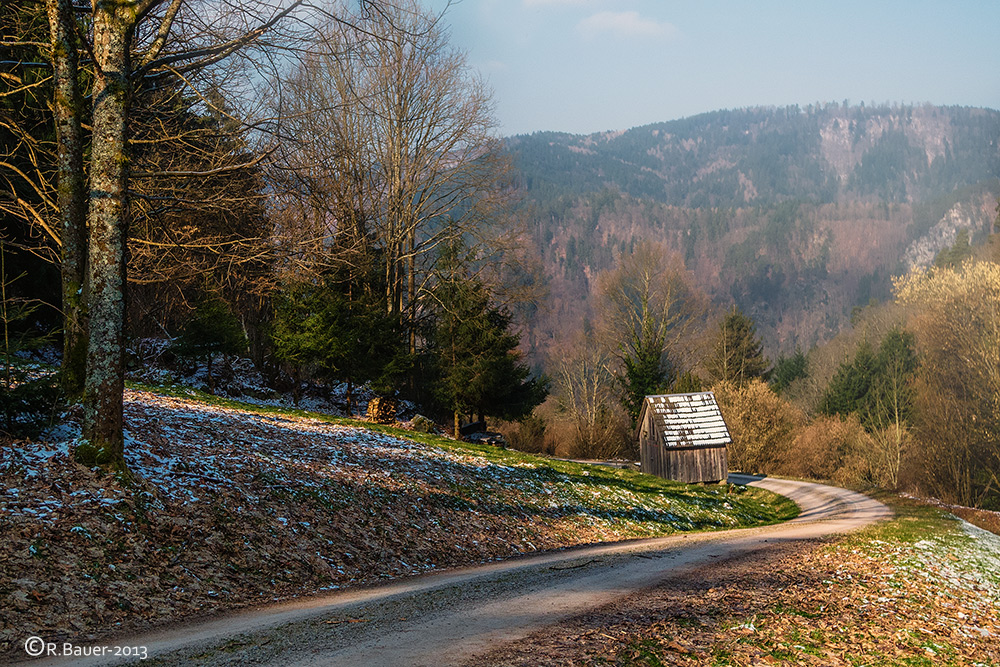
(918, 590)
(232, 507)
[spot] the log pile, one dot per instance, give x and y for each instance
(382, 410)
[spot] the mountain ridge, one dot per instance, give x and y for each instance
(796, 215)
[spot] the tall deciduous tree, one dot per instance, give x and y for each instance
(133, 39)
(584, 389)
(648, 312)
(397, 151)
(955, 317)
(71, 202)
(114, 25)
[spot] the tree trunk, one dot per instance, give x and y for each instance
(71, 198)
(211, 380)
(108, 216)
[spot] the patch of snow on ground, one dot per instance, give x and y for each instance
(970, 561)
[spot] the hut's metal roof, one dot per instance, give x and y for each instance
(689, 420)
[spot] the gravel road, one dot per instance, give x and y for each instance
(452, 617)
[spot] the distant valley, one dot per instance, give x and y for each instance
(797, 215)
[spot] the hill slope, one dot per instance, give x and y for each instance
(795, 214)
(234, 506)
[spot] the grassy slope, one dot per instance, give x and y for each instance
(921, 589)
(236, 504)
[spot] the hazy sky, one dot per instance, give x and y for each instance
(591, 65)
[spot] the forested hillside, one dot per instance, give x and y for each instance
(797, 215)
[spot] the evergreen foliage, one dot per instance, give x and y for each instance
(648, 370)
(212, 330)
(340, 330)
(789, 369)
(876, 384)
(477, 363)
(28, 395)
(687, 383)
(956, 253)
(738, 353)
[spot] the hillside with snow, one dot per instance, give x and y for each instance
(229, 506)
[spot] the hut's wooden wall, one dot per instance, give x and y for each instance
(684, 464)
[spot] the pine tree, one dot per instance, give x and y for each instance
(340, 330)
(789, 369)
(875, 384)
(648, 370)
(738, 353)
(952, 256)
(850, 384)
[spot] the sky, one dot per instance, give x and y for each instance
(586, 66)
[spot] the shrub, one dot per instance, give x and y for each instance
(526, 435)
(28, 405)
(762, 425)
(829, 448)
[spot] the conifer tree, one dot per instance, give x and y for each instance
(789, 369)
(213, 330)
(875, 384)
(850, 384)
(340, 330)
(647, 369)
(738, 353)
(479, 368)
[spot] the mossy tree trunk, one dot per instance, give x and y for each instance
(71, 196)
(107, 218)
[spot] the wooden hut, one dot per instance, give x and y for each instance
(683, 437)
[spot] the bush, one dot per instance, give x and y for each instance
(761, 424)
(28, 406)
(526, 435)
(830, 448)
(955, 315)
(609, 436)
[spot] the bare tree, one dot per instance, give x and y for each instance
(649, 312)
(584, 388)
(955, 316)
(397, 151)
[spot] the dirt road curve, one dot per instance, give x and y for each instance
(449, 618)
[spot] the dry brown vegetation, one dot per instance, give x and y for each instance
(887, 596)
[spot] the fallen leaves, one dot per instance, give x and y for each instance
(844, 601)
(232, 507)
